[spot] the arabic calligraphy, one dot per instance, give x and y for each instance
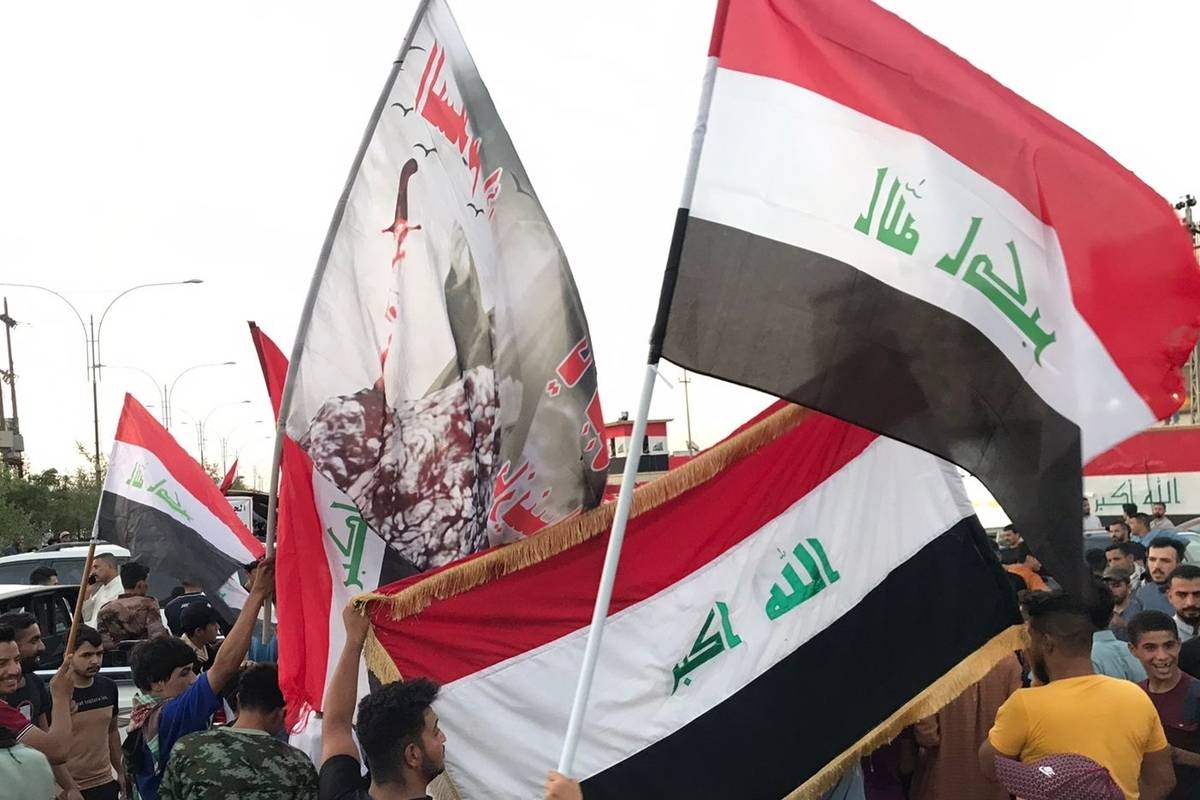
(896, 229)
(900, 237)
(1163, 489)
(352, 548)
(1010, 300)
(801, 591)
(707, 646)
(137, 480)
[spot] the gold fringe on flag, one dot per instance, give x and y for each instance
(557, 538)
(945, 689)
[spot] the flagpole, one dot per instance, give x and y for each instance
(612, 555)
(289, 385)
(87, 570)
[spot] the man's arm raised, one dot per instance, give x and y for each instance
(55, 744)
(337, 738)
(233, 650)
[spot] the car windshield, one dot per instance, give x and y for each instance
(18, 572)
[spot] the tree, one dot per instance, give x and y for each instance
(14, 524)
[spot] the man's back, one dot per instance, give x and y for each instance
(174, 609)
(1108, 720)
(235, 762)
(130, 616)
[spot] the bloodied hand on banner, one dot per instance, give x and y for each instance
(447, 384)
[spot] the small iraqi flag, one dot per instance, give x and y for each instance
(161, 505)
(757, 583)
(881, 231)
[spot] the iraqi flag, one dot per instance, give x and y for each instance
(787, 601)
(230, 477)
(325, 554)
(446, 382)
(165, 509)
(881, 231)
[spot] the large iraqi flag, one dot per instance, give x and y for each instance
(161, 505)
(881, 231)
(759, 586)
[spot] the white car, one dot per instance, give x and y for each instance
(68, 561)
(54, 606)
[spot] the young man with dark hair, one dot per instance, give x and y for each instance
(96, 746)
(1183, 591)
(1125, 606)
(1076, 711)
(175, 701)
(133, 614)
(1159, 521)
(43, 576)
(193, 594)
(1139, 528)
(1110, 655)
(1153, 638)
(1130, 556)
(397, 728)
(31, 697)
(105, 587)
(243, 759)
(199, 626)
(1162, 557)
(54, 743)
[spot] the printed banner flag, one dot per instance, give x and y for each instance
(325, 554)
(881, 231)
(447, 384)
(760, 586)
(161, 505)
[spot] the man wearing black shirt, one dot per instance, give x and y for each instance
(1013, 550)
(31, 698)
(396, 726)
(173, 611)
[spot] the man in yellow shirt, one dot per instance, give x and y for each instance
(1075, 711)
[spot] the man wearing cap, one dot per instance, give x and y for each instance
(1110, 655)
(1077, 712)
(1183, 590)
(1154, 639)
(1119, 580)
(200, 626)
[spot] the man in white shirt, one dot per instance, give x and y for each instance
(1159, 521)
(1183, 590)
(1090, 521)
(106, 587)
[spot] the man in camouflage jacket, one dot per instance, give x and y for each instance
(132, 615)
(242, 760)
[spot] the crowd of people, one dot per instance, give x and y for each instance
(207, 723)
(1103, 701)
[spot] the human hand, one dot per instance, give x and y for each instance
(357, 624)
(61, 685)
(560, 787)
(70, 794)
(264, 579)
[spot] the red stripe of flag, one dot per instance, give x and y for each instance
(670, 542)
(866, 58)
(302, 581)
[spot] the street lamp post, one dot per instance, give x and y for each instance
(201, 425)
(164, 393)
(91, 336)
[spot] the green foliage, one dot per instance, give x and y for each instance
(46, 502)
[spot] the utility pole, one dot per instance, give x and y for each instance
(687, 408)
(18, 445)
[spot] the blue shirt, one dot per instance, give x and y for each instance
(1153, 598)
(1111, 657)
(187, 713)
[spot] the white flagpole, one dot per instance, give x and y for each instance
(608, 576)
(289, 385)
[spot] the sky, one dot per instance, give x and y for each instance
(153, 142)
